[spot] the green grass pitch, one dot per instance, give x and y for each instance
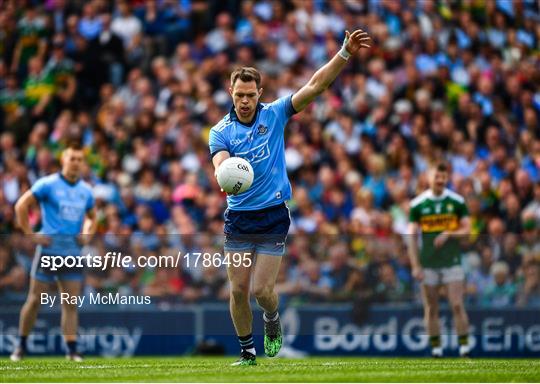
(330, 369)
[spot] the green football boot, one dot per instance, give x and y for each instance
(245, 359)
(273, 338)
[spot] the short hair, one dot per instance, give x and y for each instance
(73, 145)
(246, 74)
(441, 166)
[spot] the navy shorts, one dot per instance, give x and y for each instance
(46, 275)
(262, 231)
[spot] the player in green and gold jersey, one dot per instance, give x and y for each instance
(442, 217)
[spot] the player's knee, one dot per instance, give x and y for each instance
(69, 308)
(262, 291)
(457, 307)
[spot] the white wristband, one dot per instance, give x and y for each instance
(343, 53)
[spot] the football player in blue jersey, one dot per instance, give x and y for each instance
(257, 220)
(68, 219)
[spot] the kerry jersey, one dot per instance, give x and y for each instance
(436, 214)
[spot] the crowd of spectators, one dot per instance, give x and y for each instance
(140, 83)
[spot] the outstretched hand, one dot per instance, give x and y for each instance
(358, 39)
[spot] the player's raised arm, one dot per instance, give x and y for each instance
(322, 79)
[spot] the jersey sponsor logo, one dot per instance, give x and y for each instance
(426, 210)
(256, 154)
(439, 223)
(71, 212)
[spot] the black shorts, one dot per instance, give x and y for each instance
(263, 231)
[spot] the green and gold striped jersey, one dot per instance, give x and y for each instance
(435, 214)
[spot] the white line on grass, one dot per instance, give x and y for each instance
(26, 368)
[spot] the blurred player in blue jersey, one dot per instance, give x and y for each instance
(257, 220)
(67, 219)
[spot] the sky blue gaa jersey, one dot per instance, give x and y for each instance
(262, 144)
(63, 209)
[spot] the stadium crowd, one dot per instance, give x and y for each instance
(140, 83)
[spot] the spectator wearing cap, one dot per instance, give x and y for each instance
(529, 247)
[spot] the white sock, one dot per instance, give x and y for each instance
(273, 318)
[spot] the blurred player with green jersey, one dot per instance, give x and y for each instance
(442, 217)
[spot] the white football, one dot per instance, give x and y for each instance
(235, 175)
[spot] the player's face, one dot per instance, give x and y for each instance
(439, 179)
(72, 162)
(245, 98)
